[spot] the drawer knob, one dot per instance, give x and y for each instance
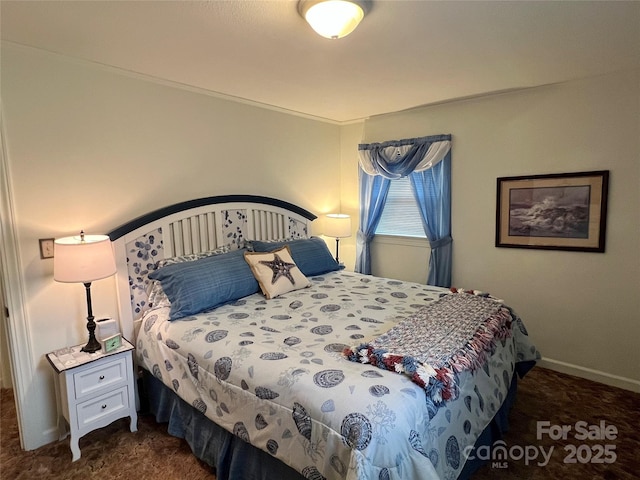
(101, 377)
(104, 406)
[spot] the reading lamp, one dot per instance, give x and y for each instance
(337, 225)
(84, 259)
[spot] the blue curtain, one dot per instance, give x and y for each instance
(427, 162)
(432, 189)
(373, 195)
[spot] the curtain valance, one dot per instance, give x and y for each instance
(399, 158)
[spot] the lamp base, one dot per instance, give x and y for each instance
(93, 345)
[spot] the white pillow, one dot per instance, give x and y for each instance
(276, 272)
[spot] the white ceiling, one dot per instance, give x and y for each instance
(404, 53)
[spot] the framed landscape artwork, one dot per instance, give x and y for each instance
(564, 211)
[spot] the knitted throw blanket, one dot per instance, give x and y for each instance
(455, 333)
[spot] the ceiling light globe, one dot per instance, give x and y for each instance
(334, 18)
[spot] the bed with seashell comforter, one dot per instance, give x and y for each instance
(342, 376)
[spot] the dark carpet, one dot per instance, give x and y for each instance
(543, 396)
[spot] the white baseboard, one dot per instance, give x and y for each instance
(590, 374)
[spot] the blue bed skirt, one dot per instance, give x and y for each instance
(233, 459)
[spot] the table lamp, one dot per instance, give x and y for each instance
(337, 225)
(84, 259)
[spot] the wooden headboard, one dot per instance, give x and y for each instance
(191, 227)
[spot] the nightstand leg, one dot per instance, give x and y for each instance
(75, 449)
(133, 425)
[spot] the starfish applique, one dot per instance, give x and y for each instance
(280, 269)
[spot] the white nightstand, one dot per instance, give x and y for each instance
(93, 390)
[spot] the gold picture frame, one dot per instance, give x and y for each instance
(564, 211)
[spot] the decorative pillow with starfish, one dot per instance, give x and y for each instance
(276, 272)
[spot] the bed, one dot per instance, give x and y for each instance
(272, 361)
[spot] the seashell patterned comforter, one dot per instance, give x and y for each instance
(272, 372)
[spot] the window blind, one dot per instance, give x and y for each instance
(401, 216)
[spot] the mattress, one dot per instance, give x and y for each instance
(273, 373)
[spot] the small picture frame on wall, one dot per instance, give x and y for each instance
(564, 211)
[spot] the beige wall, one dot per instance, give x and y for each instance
(350, 137)
(582, 309)
(89, 148)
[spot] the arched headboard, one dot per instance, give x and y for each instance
(191, 227)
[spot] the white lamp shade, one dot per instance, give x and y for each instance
(332, 18)
(337, 225)
(83, 259)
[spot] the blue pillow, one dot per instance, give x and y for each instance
(196, 286)
(311, 255)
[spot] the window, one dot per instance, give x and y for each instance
(401, 216)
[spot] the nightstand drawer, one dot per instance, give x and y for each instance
(103, 406)
(94, 379)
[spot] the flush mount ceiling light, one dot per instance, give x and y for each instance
(333, 18)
